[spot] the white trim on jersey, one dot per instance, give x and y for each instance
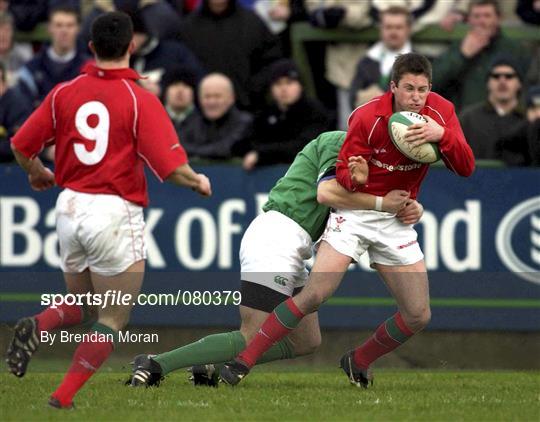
(442, 120)
(372, 129)
(149, 166)
(60, 88)
(135, 107)
(360, 106)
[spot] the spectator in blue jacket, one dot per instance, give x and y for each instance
(14, 110)
(56, 62)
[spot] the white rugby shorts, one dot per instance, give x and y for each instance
(381, 234)
(104, 233)
(273, 253)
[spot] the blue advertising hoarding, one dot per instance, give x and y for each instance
(480, 237)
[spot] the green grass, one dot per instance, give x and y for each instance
(413, 395)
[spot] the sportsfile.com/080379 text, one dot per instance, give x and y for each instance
(115, 298)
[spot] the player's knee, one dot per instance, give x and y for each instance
(311, 300)
(418, 319)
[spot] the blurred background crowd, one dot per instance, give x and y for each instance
(225, 73)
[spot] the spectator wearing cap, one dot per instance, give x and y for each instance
(219, 130)
(460, 72)
(288, 123)
(153, 57)
(486, 122)
(522, 146)
(178, 97)
(14, 110)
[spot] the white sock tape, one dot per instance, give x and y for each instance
(378, 203)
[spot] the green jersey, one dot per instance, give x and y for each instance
(295, 194)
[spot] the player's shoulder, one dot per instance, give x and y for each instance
(435, 100)
(67, 86)
(440, 106)
(366, 110)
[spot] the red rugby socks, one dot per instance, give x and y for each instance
(86, 361)
(389, 335)
(61, 316)
(279, 323)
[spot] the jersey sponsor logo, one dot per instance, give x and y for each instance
(406, 245)
(282, 281)
(400, 167)
(518, 240)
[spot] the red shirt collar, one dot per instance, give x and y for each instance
(384, 106)
(123, 73)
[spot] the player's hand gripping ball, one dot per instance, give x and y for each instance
(398, 123)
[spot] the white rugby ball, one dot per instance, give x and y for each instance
(397, 127)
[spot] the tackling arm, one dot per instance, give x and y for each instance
(332, 194)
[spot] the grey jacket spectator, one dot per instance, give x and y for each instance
(459, 73)
(219, 130)
(486, 123)
(241, 45)
(372, 76)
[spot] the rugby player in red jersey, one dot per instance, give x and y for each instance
(392, 245)
(105, 128)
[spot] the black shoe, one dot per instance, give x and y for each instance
(146, 372)
(357, 376)
(24, 344)
(54, 402)
(233, 372)
(204, 375)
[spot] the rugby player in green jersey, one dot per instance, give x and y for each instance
(273, 256)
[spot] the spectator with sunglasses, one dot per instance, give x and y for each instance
(486, 123)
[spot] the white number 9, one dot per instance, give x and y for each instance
(99, 134)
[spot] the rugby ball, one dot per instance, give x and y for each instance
(397, 127)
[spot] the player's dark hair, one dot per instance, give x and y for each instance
(495, 3)
(398, 10)
(66, 10)
(414, 63)
(111, 34)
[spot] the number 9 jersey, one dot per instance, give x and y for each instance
(105, 128)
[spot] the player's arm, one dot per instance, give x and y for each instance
(35, 133)
(39, 176)
(455, 151)
(355, 145)
(332, 194)
(184, 175)
(159, 147)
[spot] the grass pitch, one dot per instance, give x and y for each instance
(286, 395)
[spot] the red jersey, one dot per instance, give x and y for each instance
(105, 127)
(389, 169)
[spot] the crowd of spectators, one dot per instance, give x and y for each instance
(224, 72)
